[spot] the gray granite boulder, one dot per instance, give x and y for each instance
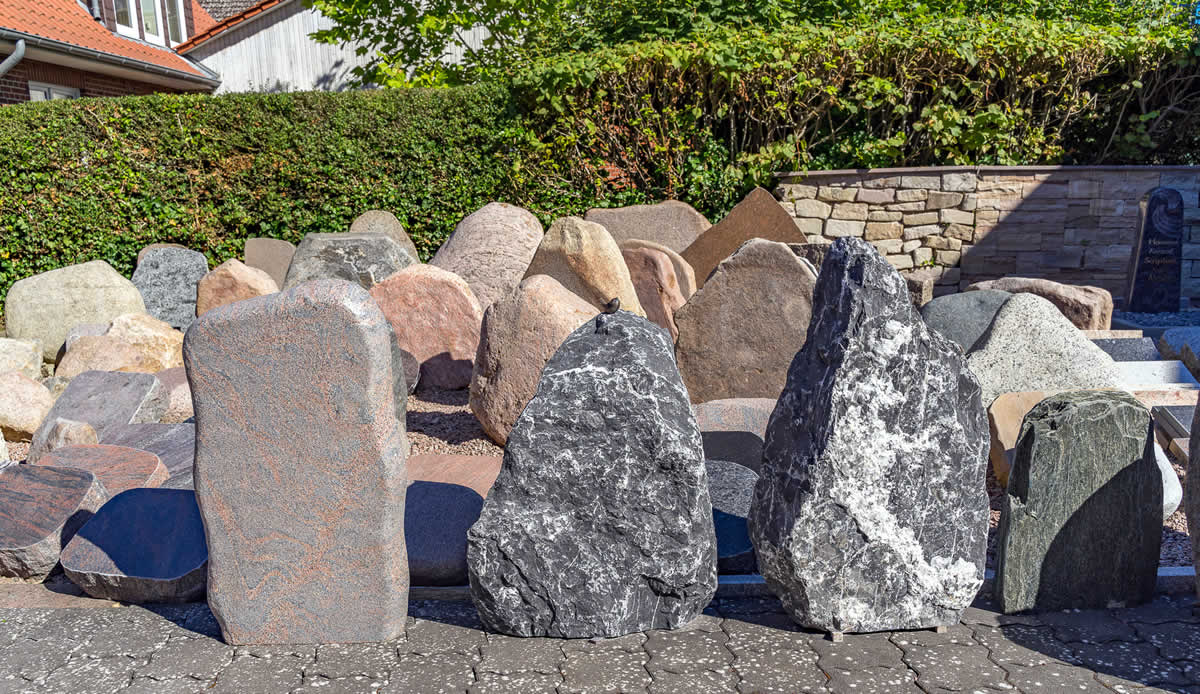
(870, 513)
(167, 279)
(1031, 345)
(964, 317)
(41, 508)
(364, 259)
(599, 523)
(1081, 524)
(104, 400)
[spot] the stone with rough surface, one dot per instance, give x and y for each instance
(657, 286)
(174, 444)
(1081, 525)
(179, 394)
(583, 257)
(160, 345)
(44, 307)
(490, 249)
(68, 432)
(734, 429)
(436, 319)
(299, 472)
(149, 247)
(758, 215)
(105, 400)
(964, 317)
(41, 508)
(24, 356)
(232, 281)
(870, 513)
(384, 222)
(1182, 344)
(444, 497)
(83, 330)
(102, 353)
(738, 333)
(118, 468)
(145, 545)
(683, 271)
(672, 223)
(1088, 308)
(24, 405)
(167, 279)
(1129, 349)
(364, 259)
(272, 256)
(1030, 346)
(600, 522)
(520, 333)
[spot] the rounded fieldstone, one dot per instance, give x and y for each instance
(384, 222)
(272, 256)
(24, 404)
(657, 286)
(24, 356)
(1088, 308)
(683, 271)
(964, 317)
(364, 259)
(160, 345)
(490, 249)
(118, 468)
(583, 257)
(41, 508)
(101, 353)
(232, 281)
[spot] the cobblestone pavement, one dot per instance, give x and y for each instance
(742, 645)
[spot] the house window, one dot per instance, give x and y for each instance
(39, 91)
(150, 26)
(176, 31)
(126, 21)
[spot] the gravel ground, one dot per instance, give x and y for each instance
(1159, 319)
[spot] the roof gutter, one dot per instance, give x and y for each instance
(101, 57)
(15, 57)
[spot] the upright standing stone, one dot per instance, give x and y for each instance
(870, 512)
(672, 223)
(272, 256)
(738, 333)
(384, 222)
(684, 273)
(734, 429)
(600, 522)
(583, 257)
(759, 215)
(1088, 308)
(300, 475)
(1156, 266)
(41, 508)
(364, 259)
(1191, 497)
(490, 249)
(1081, 524)
(106, 400)
(167, 279)
(964, 317)
(232, 281)
(656, 284)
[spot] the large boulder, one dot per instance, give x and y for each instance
(734, 429)
(118, 468)
(520, 333)
(41, 508)
(583, 257)
(657, 287)
(738, 333)
(758, 215)
(600, 522)
(24, 356)
(444, 498)
(299, 472)
(1030, 346)
(232, 281)
(272, 256)
(102, 353)
(672, 223)
(105, 400)
(490, 249)
(847, 535)
(684, 273)
(44, 307)
(167, 279)
(143, 545)
(964, 317)
(24, 404)
(1088, 308)
(436, 319)
(364, 259)
(1081, 524)
(160, 345)
(384, 222)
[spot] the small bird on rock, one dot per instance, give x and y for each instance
(613, 306)
(610, 308)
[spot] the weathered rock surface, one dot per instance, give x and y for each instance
(149, 247)
(24, 356)
(870, 512)
(490, 249)
(1088, 308)
(411, 368)
(44, 307)
(758, 215)
(41, 508)
(1129, 349)
(384, 222)
(174, 444)
(444, 498)
(1182, 344)
(167, 279)
(118, 468)
(272, 256)
(179, 394)
(731, 487)
(232, 281)
(84, 330)
(738, 333)
(964, 317)
(68, 432)
(1081, 523)
(436, 319)
(144, 545)
(520, 333)
(1005, 415)
(160, 345)
(600, 522)
(1031, 346)
(24, 404)
(683, 271)
(671, 223)
(104, 400)
(299, 473)
(102, 353)
(364, 259)
(583, 257)
(657, 287)
(734, 429)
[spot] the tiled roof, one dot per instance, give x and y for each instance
(67, 21)
(202, 21)
(224, 9)
(226, 24)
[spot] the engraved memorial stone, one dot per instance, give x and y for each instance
(1155, 268)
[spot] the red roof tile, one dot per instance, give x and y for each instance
(201, 19)
(226, 24)
(67, 21)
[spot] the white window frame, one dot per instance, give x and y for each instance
(52, 90)
(129, 30)
(159, 38)
(182, 23)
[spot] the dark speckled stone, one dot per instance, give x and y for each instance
(118, 468)
(363, 258)
(300, 466)
(41, 508)
(1129, 349)
(167, 279)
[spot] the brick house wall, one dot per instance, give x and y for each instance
(14, 86)
(967, 224)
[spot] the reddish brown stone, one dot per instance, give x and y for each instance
(41, 508)
(1088, 308)
(300, 466)
(273, 256)
(477, 472)
(656, 285)
(684, 273)
(118, 468)
(671, 223)
(436, 318)
(232, 281)
(759, 215)
(583, 257)
(102, 353)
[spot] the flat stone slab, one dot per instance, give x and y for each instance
(118, 468)
(41, 508)
(144, 545)
(731, 488)
(1129, 349)
(444, 498)
(734, 429)
(105, 400)
(1142, 375)
(174, 444)
(272, 256)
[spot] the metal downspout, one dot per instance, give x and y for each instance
(11, 61)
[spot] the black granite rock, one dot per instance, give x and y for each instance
(599, 523)
(870, 513)
(1082, 520)
(1129, 348)
(437, 516)
(964, 317)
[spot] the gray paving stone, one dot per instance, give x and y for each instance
(517, 683)
(343, 660)
(341, 685)
(1053, 677)
(268, 675)
(1137, 662)
(857, 652)
(1164, 608)
(766, 635)
(701, 682)
(34, 660)
(782, 670)
(953, 666)
(604, 669)
(92, 675)
(956, 634)
(687, 651)
(629, 643)
(1088, 626)
(426, 638)
(442, 673)
(873, 680)
(1024, 645)
(507, 655)
(179, 685)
